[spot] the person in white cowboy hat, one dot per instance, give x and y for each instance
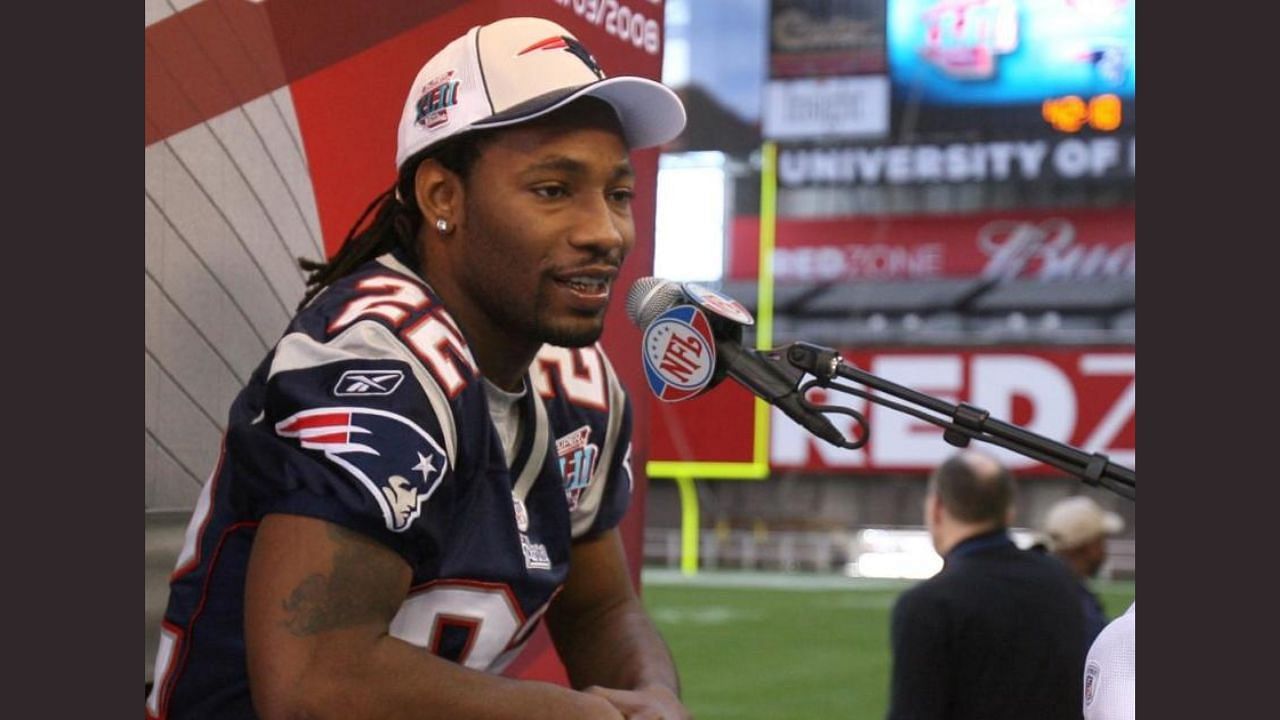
(436, 455)
(1077, 529)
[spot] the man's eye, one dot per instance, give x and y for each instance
(551, 191)
(622, 195)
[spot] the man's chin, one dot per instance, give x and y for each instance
(574, 334)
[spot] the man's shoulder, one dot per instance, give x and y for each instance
(383, 310)
(580, 380)
(979, 572)
(375, 337)
(924, 595)
(1052, 567)
(382, 289)
(585, 402)
(1120, 631)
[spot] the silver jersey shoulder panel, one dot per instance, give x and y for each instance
(366, 340)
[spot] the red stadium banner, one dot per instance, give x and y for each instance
(714, 427)
(1071, 244)
(1086, 398)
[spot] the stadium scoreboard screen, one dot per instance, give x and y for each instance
(1062, 66)
(969, 91)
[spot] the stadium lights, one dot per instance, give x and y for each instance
(689, 233)
(905, 554)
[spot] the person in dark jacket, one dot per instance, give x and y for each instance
(1078, 528)
(996, 633)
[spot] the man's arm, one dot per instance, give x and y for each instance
(319, 601)
(605, 637)
(919, 685)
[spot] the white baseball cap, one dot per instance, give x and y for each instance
(1078, 520)
(517, 69)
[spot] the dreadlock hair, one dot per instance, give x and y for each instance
(396, 217)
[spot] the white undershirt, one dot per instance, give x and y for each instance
(505, 412)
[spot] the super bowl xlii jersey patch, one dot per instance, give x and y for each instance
(577, 456)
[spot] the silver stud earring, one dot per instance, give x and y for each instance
(442, 225)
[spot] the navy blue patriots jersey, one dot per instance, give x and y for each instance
(370, 413)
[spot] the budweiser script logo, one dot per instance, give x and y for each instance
(1048, 251)
(795, 31)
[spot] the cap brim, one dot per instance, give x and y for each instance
(650, 112)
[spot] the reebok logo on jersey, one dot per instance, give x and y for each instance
(394, 459)
(370, 383)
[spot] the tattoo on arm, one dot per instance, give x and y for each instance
(353, 593)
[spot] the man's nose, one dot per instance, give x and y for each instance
(600, 227)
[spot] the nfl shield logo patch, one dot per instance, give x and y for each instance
(679, 353)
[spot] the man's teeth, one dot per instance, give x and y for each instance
(586, 284)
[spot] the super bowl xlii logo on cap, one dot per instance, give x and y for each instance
(438, 95)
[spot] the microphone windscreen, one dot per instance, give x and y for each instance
(649, 297)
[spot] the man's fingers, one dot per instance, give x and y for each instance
(642, 704)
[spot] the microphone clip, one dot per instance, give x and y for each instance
(820, 362)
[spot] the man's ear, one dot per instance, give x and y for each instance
(440, 194)
(932, 510)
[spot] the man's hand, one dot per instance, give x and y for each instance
(606, 639)
(654, 702)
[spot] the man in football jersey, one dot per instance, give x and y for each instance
(392, 513)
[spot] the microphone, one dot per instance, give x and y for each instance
(767, 375)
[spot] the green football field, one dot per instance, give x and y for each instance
(782, 647)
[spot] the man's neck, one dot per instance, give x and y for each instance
(502, 357)
(957, 534)
(504, 367)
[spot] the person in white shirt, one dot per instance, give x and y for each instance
(1110, 671)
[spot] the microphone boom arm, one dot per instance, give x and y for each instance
(964, 422)
(769, 375)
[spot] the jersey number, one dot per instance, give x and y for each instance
(478, 625)
(581, 373)
(387, 297)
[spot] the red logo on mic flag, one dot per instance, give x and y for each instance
(679, 353)
(714, 302)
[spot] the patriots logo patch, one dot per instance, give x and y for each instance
(392, 457)
(571, 46)
(368, 383)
